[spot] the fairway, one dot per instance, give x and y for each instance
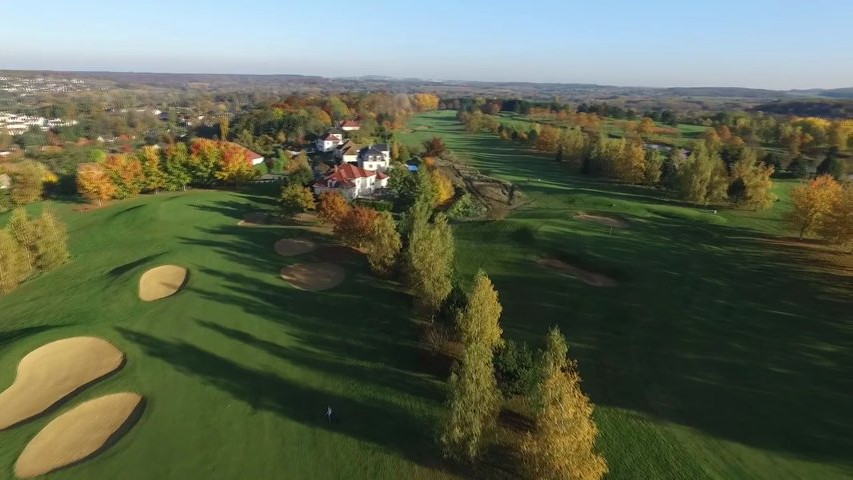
(724, 351)
(237, 370)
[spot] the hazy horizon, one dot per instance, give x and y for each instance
(751, 44)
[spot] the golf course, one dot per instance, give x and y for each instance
(713, 344)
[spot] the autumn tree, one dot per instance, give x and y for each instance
(51, 241)
(562, 443)
(434, 147)
(224, 124)
(701, 178)
(126, 173)
(235, 166)
(429, 257)
(154, 177)
(205, 159)
(812, 202)
(474, 399)
(27, 182)
(23, 230)
(176, 169)
(548, 139)
(837, 225)
(331, 207)
(383, 244)
(295, 199)
(442, 186)
(94, 183)
(14, 266)
(652, 167)
(751, 185)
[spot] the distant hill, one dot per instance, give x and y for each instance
(841, 108)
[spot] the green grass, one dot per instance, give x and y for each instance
(239, 368)
(719, 355)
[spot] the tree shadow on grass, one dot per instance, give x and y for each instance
(122, 269)
(376, 421)
(15, 335)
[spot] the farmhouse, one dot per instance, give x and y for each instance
(352, 182)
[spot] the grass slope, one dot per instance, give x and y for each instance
(238, 368)
(726, 352)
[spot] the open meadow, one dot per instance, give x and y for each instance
(722, 350)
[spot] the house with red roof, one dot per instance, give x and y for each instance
(350, 125)
(255, 158)
(330, 140)
(352, 182)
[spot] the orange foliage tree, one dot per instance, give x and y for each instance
(355, 227)
(94, 183)
(126, 173)
(332, 207)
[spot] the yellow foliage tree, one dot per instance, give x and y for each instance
(562, 444)
(812, 202)
(442, 186)
(837, 225)
(94, 183)
(14, 265)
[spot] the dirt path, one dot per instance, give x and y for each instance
(590, 278)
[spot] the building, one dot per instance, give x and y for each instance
(352, 182)
(374, 158)
(5, 181)
(331, 139)
(348, 152)
(350, 125)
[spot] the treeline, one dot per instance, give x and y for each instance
(716, 170)
(298, 119)
(203, 163)
(30, 245)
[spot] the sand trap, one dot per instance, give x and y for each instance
(80, 433)
(289, 247)
(313, 276)
(254, 218)
(53, 372)
(590, 278)
(601, 219)
(161, 282)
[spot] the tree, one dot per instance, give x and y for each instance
(652, 167)
(751, 185)
(235, 165)
(14, 266)
(832, 165)
(355, 227)
(27, 182)
(384, 244)
(24, 232)
(701, 178)
(562, 444)
(434, 147)
(155, 178)
(51, 241)
(474, 399)
(223, 127)
(177, 168)
(837, 225)
(94, 183)
(429, 258)
(812, 201)
(126, 174)
(442, 186)
(331, 207)
(295, 199)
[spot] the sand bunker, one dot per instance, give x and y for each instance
(289, 247)
(313, 276)
(601, 219)
(162, 282)
(590, 278)
(254, 218)
(80, 433)
(53, 372)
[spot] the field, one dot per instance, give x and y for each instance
(238, 368)
(726, 350)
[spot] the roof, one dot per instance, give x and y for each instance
(329, 136)
(335, 131)
(345, 174)
(382, 147)
(350, 123)
(250, 155)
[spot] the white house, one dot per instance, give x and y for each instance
(330, 140)
(5, 181)
(350, 125)
(352, 182)
(374, 158)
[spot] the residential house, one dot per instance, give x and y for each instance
(350, 125)
(352, 182)
(331, 139)
(348, 152)
(5, 181)
(374, 158)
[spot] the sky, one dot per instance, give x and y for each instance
(748, 43)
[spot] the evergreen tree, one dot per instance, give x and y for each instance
(562, 444)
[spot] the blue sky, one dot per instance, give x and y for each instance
(751, 43)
